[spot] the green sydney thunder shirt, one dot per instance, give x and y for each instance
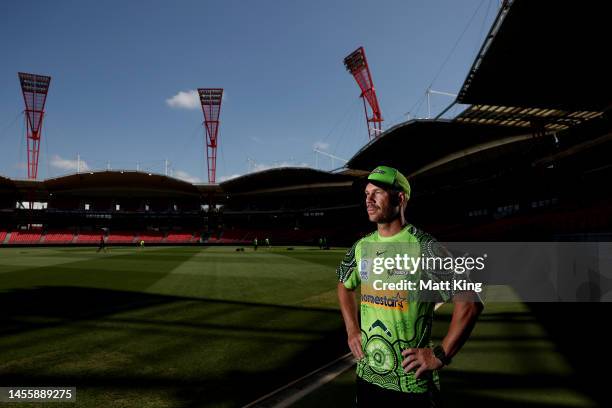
(391, 321)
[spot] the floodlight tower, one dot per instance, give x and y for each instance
(357, 64)
(210, 98)
(34, 88)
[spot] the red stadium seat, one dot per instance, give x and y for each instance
(58, 237)
(25, 237)
(88, 237)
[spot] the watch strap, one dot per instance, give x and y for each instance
(441, 355)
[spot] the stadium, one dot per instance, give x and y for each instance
(198, 316)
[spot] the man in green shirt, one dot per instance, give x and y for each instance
(396, 361)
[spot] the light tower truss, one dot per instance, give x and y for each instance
(211, 98)
(357, 64)
(34, 88)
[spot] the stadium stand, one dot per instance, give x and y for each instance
(88, 238)
(230, 236)
(151, 237)
(179, 237)
(121, 237)
(58, 237)
(29, 237)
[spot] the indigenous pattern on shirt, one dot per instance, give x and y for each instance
(392, 320)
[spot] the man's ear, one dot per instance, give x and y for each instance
(401, 198)
(397, 198)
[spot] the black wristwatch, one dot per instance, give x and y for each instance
(441, 355)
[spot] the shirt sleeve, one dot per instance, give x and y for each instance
(432, 249)
(347, 270)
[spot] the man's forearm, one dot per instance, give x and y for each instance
(348, 307)
(464, 318)
(349, 314)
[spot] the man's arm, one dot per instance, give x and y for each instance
(465, 314)
(348, 307)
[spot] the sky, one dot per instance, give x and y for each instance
(124, 75)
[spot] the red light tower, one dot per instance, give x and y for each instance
(35, 89)
(210, 98)
(357, 64)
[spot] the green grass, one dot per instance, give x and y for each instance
(193, 326)
(181, 326)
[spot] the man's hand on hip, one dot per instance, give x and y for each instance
(423, 359)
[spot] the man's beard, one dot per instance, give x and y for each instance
(390, 216)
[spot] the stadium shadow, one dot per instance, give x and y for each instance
(579, 332)
(528, 384)
(459, 389)
(469, 389)
(86, 309)
(36, 308)
(28, 318)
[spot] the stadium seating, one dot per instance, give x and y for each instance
(122, 237)
(235, 236)
(25, 237)
(179, 237)
(65, 237)
(88, 237)
(150, 237)
(231, 236)
(58, 237)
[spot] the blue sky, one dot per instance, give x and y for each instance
(116, 67)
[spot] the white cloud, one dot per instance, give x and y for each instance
(225, 178)
(68, 164)
(183, 175)
(188, 99)
(320, 146)
(185, 100)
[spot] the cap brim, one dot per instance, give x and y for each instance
(364, 181)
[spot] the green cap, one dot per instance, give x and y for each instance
(390, 177)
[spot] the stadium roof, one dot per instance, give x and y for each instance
(111, 182)
(120, 181)
(7, 185)
(539, 119)
(4, 180)
(416, 145)
(544, 54)
(285, 179)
